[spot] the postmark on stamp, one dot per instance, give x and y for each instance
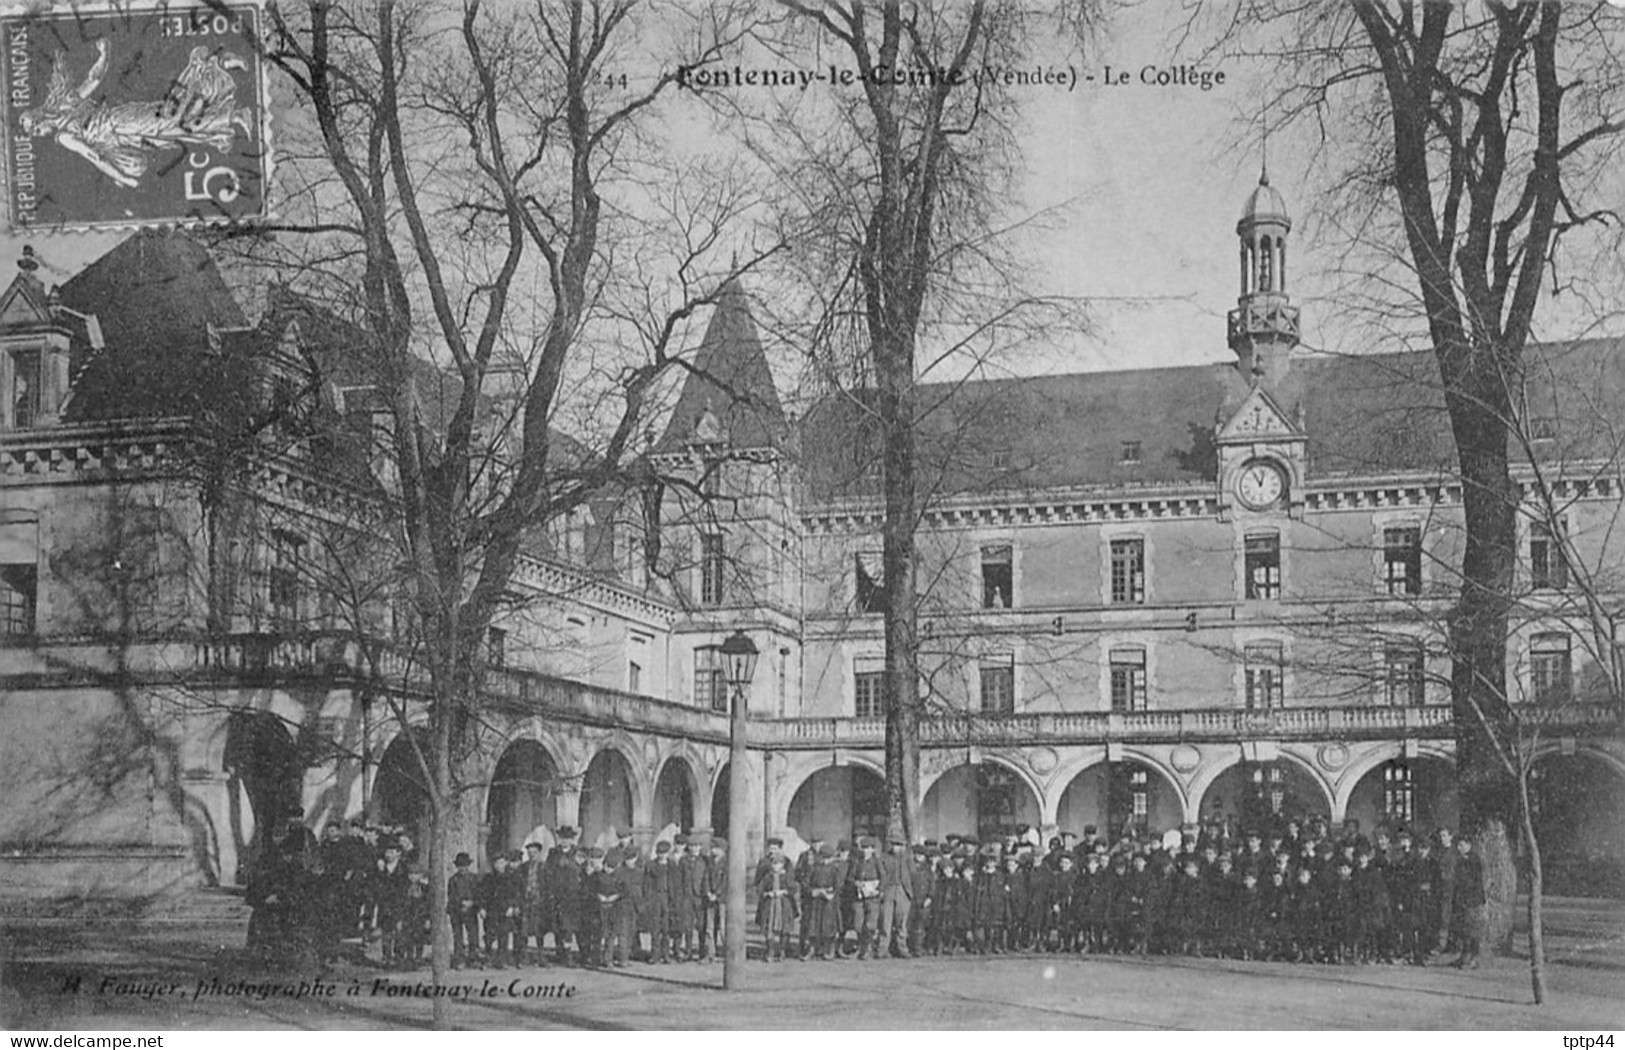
(134, 116)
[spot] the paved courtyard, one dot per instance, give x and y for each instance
(148, 978)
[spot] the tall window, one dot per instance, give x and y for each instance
(1263, 677)
(1128, 571)
(1128, 803)
(998, 685)
(870, 574)
(1269, 787)
(710, 687)
(1547, 569)
(1402, 560)
(25, 388)
(997, 577)
(1128, 679)
(868, 691)
(287, 550)
(1551, 675)
(710, 568)
(496, 648)
(1403, 675)
(1398, 792)
(634, 677)
(19, 595)
(1263, 566)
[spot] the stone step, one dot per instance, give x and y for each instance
(201, 907)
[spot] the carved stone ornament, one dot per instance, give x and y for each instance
(1185, 758)
(1043, 760)
(1333, 756)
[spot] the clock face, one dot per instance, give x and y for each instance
(1260, 484)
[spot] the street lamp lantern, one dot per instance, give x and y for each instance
(739, 655)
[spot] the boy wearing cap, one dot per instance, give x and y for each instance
(820, 922)
(463, 909)
(1470, 899)
(502, 893)
(777, 898)
(593, 911)
(864, 878)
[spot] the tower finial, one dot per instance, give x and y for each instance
(1264, 159)
(28, 263)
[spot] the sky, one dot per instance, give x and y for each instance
(1150, 180)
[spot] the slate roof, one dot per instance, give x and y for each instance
(1368, 414)
(731, 380)
(155, 295)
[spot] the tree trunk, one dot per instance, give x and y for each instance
(1537, 885)
(902, 616)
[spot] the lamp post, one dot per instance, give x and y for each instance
(738, 667)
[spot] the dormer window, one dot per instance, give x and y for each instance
(23, 397)
(1129, 454)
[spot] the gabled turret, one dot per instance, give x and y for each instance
(729, 400)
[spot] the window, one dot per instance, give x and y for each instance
(287, 549)
(1269, 787)
(1128, 798)
(998, 685)
(710, 688)
(634, 677)
(1129, 454)
(496, 648)
(1128, 572)
(1551, 676)
(997, 577)
(1263, 566)
(1543, 428)
(25, 388)
(19, 597)
(1547, 569)
(870, 572)
(1402, 560)
(1128, 679)
(1403, 675)
(710, 568)
(868, 692)
(1263, 677)
(1398, 792)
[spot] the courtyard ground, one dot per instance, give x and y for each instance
(60, 976)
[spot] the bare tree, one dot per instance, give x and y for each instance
(898, 196)
(1480, 132)
(462, 153)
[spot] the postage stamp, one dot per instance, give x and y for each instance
(134, 116)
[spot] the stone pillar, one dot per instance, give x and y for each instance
(567, 809)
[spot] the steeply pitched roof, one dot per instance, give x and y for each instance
(156, 296)
(731, 381)
(1368, 414)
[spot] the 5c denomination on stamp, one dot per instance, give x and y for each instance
(134, 117)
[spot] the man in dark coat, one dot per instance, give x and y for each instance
(533, 914)
(713, 889)
(564, 897)
(920, 918)
(659, 877)
(502, 895)
(1373, 910)
(803, 873)
(896, 898)
(687, 896)
(463, 909)
(1470, 899)
(1445, 887)
(387, 893)
(1188, 900)
(1424, 904)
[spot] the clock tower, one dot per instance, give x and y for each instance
(1263, 327)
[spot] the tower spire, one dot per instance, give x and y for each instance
(1264, 325)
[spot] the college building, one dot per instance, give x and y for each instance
(1147, 598)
